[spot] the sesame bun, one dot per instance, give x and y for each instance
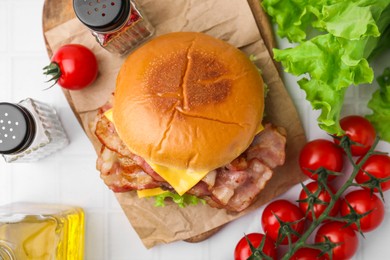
(189, 101)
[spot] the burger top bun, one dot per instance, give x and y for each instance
(186, 100)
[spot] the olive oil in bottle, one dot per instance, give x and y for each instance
(41, 232)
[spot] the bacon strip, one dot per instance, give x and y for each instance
(269, 146)
(106, 133)
(236, 191)
(122, 174)
(239, 183)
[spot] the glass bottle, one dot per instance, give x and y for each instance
(32, 231)
(29, 131)
(118, 25)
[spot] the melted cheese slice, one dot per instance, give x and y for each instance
(259, 128)
(109, 116)
(150, 192)
(180, 179)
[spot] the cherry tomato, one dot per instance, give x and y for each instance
(322, 196)
(338, 233)
(363, 201)
(286, 212)
(359, 130)
(305, 253)
(243, 251)
(320, 153)
(73, 66)
(378, 166)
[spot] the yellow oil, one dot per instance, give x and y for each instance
(41, 232)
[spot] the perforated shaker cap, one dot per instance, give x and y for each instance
(17, 128)
(102, 15)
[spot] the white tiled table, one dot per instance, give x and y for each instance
(70, 177)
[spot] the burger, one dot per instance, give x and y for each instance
(186, 122)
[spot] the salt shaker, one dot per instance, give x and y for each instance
(29, 130)
(118, 25)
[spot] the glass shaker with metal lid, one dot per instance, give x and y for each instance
(118, 25)
(29, 131)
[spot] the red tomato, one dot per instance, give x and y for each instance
(363, 201)
(378, 166)
(243, 251)
(322, 196)
(73, 67)
(359, 130)
(286, 212)
(308, 254)
(340, 234)
(320, 153)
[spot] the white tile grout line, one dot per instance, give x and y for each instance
(106, 224)
(22, 54)
(8, 25)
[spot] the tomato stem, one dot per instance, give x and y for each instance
(257, 253)
(53, 70)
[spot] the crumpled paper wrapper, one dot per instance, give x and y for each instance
(232, 21)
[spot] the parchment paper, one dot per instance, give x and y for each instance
(231, 21)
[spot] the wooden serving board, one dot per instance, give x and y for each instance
(54, 14)
(59, 12)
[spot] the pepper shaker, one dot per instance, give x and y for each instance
(29, 130)
(118, 25)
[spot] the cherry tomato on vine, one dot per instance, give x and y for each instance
(321, 153)
(318, 198)
(379, 167)
(243, 250)
(339, 233)
(73, 66)
(362, 201)
(306, 253)
(359, 130)
(286, 212)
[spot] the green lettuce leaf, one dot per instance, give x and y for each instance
(293, 17)
(382, 44)
(330, 65)
(352, 20)
(348, 33)
(380, 106)
(181, 201)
